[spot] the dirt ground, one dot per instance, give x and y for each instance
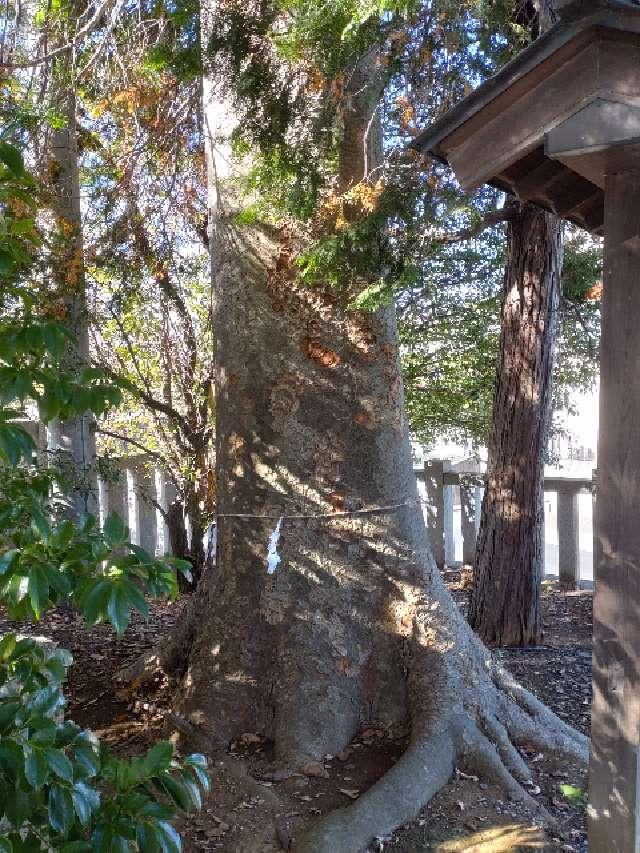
(253, 808)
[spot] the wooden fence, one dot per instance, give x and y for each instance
(442, 485)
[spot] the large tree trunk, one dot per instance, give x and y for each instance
(355, 625)
(505, 608)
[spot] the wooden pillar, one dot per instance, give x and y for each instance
(448, 495)
(614, 813)
(568, 520)
(146, 513)
(116, 495)
(468, 500)
(434, 485)
(167, 494)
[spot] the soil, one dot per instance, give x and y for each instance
(255, 807)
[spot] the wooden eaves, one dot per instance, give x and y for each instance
(546, 126)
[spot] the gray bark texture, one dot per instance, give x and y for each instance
(74, 439)
(505, 607)
(355, 625)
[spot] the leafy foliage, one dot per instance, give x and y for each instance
(59, 788)
(18, 234)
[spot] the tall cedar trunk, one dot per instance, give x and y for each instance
(505, 601)
(74, 438)
(355, 624)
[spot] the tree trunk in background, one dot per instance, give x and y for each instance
(73, 439)
(178, 542)
(505, 608)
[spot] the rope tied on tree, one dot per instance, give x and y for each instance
(329, 515)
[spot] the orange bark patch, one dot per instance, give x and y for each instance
(337, 500)
(314, 349)
(236, 443)
(344, 667)
(594, 293)
(364, 419)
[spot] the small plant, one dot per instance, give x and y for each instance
(576, 796)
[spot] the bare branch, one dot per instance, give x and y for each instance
(88, 28)
(132, 441)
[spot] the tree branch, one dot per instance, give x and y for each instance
(491, 218)
(132, 441)
(591, 344)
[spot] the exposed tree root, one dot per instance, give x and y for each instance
(423, 770)
(491, 714)
(169, 657)
(417, 776)
(464, 710)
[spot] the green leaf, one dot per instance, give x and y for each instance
(12, 158)
(143, 556)
(56, 669)
(6, 262)
(38, 587)
(8, 712)
(11, 757)
(85, 801)
(5, 845)
(60, 808)
(118, 609)
(47, 700)
(147, 838)
(197, 759)
(115, 530)
(177, 790)
(40, 522)
(194, 791)
(87, 757)
(54, 339)
(573, 793)
(94, 605)
(202, 777)
(159, 757)
(135, 597)
(59, 763)
(168, 837)
(36, 768)
(7, 646)
(19, 806)
(7, 560)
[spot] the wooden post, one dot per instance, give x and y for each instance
(448, 494)
(145, 494)
(116, 496)
(433, 479)
(614, 813)
(468, 520)
(568, 520)
(166, 495)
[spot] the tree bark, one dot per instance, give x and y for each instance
(73, 440)
(505, 607)
(354, 625)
